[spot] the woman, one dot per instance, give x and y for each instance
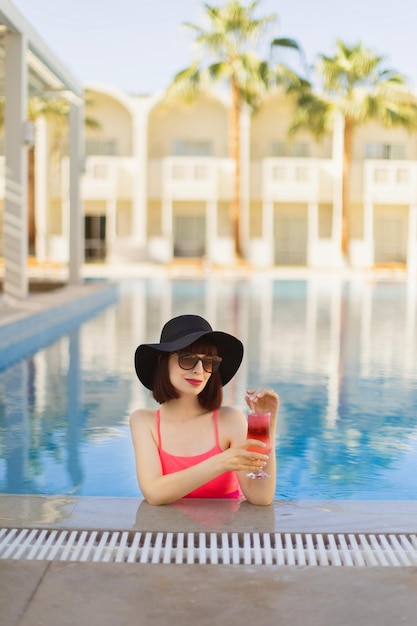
(192, 446)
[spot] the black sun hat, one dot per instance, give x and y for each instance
(180, 332)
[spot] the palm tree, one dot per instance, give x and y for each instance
(51, 109)
(357, 85)
(227, 46)
(56, 111)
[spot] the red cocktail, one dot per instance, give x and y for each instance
(258, 428)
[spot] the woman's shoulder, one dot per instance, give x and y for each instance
(230, 414)
(232, 425)
(142, 416)
(227, 410)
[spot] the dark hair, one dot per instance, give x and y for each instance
(162, 389)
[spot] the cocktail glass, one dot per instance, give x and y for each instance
(259, 428)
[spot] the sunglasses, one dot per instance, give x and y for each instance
(188, 361)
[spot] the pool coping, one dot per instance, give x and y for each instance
(205, 515)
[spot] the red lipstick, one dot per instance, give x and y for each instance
(194, 381)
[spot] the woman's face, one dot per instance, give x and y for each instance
(191, 380)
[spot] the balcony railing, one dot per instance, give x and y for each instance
(297, 180)
(100, 177)
(390, 182)
(190, 178)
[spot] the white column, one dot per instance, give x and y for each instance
(337, 158)
(15, 229)
(41, 199)
(312, 234)
(140, 181)
(412, 241)
(76, 217)
(244, 179)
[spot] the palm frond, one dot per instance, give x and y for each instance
(290, 80)
(219, 71)
(312, 113)
(285, 42)
(226, 48)
(185, 85)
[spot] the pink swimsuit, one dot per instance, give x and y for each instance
(224, 486)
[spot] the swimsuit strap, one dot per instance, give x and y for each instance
(158, 428)
(216, 428)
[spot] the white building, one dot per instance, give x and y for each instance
(158, 185)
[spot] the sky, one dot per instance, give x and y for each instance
(139, 45)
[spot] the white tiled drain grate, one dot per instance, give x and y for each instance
(300, 549)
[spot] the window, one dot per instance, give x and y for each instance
(101, 147)
(282, 149)
(190, 147)
(384, 151)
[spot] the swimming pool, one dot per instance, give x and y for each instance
(341, 354)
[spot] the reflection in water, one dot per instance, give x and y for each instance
(74, 411)
(340, 354)
(16, 427)
(191, 514)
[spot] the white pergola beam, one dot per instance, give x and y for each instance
(76, 218)
(15, 230)
(23, 49)
(15, 22)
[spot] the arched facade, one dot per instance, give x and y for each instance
(158, 185)
(190, 176)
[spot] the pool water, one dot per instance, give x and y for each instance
(341, 354)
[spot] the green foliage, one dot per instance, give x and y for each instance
(55, 110)
(226, 52)
(354, 81)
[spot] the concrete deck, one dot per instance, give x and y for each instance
(40, 593)
(118, 594)
(82, 594)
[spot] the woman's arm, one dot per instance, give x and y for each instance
(262, 491)
(165, 489)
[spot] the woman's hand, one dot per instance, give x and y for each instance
(262, 492)
(263, 400)
(238, 458)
